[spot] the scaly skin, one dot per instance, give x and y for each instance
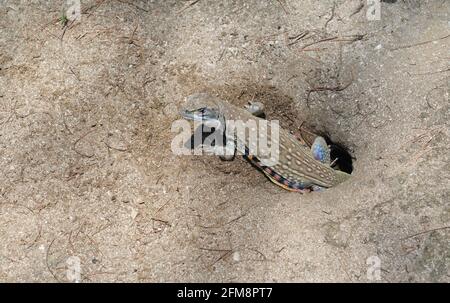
(297, 169)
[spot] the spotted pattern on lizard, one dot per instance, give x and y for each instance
(298, 167)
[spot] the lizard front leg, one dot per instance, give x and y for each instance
(229, 145)
(229, 150)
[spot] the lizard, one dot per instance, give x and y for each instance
(299, 168)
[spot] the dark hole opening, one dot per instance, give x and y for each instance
(341, 156)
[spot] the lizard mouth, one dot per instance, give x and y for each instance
(191, 115)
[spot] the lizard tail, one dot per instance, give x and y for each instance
(340, 177)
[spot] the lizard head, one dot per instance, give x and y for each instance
(202, 107)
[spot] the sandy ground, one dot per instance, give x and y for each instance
(87, 173)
